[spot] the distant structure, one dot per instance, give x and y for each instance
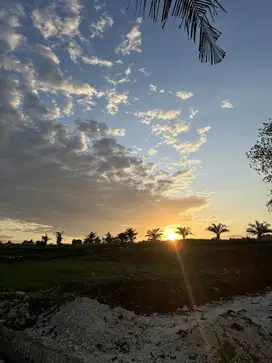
(59, 237)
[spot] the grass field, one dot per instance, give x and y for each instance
(145, 278)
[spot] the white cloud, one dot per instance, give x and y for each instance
(98, 5)
(183, 95)
(74, 50)
(68, 106)
(188, 147)
(119, 81)
(115, 132)
(153, 88)
(114, 100)
(10, 15)
(101, 26)
(226, 104)
(51, 23)
(95, 61)
(132, 41)
(148, 116)
(193, 113)
(152, 151)
(144, 71)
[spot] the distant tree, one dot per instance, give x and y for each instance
(195, 16)
(123, 238)
(26, 242)
(59, 237)
(183, 231)
(154, 235)
(131, 233)
(90, 238)
(76, 242)
(260, 155)
(218, 229)
(258, 229)
(109, 239)
(45, 239)
(97, 240)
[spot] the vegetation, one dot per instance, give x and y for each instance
(261, 153)
(131, 234)
(183, 231)
(218, 229)
(258, 229)
(59, 237)
(195, 16)
(154, 235)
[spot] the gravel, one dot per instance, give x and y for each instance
(97, 333)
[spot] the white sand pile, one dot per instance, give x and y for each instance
(97, 333)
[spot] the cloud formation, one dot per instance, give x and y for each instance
(226, 104)
(98, 29)
(148, 116)
(132, 42)
(115, 99)
(183, 95)
(95, 61)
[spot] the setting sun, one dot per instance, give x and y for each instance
(170, 234)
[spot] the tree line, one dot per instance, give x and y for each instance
(257, 230)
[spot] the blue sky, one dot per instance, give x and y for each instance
(110, 121)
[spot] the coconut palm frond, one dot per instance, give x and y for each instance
(195, 16)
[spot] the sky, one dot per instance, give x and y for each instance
(109, 122)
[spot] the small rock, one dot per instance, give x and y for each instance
(237, 327)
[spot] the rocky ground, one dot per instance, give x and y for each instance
(240, 328)
(97, 333)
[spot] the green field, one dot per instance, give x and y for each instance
(145, 278)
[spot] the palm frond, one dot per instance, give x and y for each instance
(194, 15)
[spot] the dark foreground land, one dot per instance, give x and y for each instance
(145, 278)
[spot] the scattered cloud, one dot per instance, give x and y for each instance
(148, 116)
(193, 113)
(98, 29)
(51, 22)
(226, 104)
(183, 95)
(144, 71)
(132, 42)
(187, 147)
(95, 61)
(74, 50)
(98, 5)
(115, 132)
(153, 88)
(152, 151)
(115, 99)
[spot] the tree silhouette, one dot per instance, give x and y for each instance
(260, 155)
(131, 233)
(90, 238)
(109, 239)
(259, 229)
(76, 242)
(195, 17)
(218, 229)
(183, 231)
(59, 237)
(97, 240)
(45, 239)
(154, 235)
(123, 238)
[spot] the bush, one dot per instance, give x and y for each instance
(77, 242)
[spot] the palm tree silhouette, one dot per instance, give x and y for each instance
(154, 235)
(59, 237)
(259, 229)
(123, 237)
(218, 229)
(90, 238)
(45, 239)
(131, 233)
(195, 16)
(108, 238)
(183, 231)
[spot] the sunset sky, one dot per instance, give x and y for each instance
(109, 122)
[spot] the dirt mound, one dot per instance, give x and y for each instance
(97, 333)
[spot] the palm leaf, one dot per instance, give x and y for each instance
(194, 15)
